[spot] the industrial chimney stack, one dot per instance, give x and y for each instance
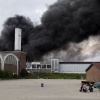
(17, 39)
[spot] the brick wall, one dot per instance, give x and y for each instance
(10, 67)
(93, 74)
(22, 59)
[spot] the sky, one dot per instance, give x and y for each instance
(28, 8)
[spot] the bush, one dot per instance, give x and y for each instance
(15, 76)
(36, 75)
(8, 74)
(2, 74)
(58, 75)
(24, 73)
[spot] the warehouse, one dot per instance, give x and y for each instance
(68, 67)
(73, 67)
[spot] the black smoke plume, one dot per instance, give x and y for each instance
(8, 32)
(65, 22)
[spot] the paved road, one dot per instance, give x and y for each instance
(30, 89)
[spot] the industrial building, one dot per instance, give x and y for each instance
(73, 67)
(59, 67)
(13, 60)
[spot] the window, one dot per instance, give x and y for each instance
(38, 66)
(49, 66)
(34, 66)
(11, 60)
(43, 66)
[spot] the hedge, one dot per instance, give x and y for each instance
(36, 75)
(59, 75)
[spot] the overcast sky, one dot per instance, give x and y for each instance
(29, 8)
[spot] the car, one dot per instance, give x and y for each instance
(96, 85)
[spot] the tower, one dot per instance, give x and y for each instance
(17, 39)
(54, 65)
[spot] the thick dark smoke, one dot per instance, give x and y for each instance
(65, 22)
(73, 20)
(8, 32)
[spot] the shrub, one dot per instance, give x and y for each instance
(58, 75)
(2, 74)
(15, 76)
(8, 74)
(24, 73)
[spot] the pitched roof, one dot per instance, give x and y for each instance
(89, 67)
(97, 65)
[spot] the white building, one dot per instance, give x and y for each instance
(69, 67)
(38, 67)
(73, 67)
(58, 67)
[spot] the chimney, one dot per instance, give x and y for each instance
(18, 39)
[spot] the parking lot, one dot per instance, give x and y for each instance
(54, 89)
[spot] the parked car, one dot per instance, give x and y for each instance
(97, 85)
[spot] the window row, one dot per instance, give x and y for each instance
(40, 66)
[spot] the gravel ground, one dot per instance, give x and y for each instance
(54, 89)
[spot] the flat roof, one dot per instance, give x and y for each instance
(77, 62)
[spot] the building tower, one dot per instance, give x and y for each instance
(17, 39)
